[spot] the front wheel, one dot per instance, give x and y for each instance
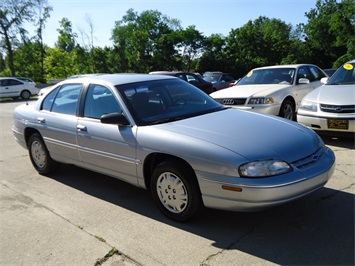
(39, 155)
(175, 190)
(287, 110)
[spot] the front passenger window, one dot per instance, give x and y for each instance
(99, 101)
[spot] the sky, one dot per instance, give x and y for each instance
(208, 16)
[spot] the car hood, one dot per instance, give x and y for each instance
(333, 94)
(251, 135)
(245, 91)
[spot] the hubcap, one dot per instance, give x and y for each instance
(38, 154)
(26, 95)
(172, 192)
(288, 113)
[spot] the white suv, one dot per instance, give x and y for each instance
(11, 87)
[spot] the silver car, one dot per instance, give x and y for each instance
(163, 134)
(331, 107)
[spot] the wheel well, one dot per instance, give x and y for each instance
(29, 132)
(155, 159)
(290, 98)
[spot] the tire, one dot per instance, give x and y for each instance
(25, 95)
(175, 190)
(39, 155)
(287, 110)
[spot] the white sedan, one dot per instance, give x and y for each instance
(331, 107)
(11, 87)
(276, 90)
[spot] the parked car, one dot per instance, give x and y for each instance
(11, 87)
(331, 107)
(26, 79)
(329, 71)
(191, 78)
(165, 135)
(276, 90)
(219, 80)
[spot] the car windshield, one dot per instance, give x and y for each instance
(345, 75)
(161, 101)
(212, 79)
(269, 76)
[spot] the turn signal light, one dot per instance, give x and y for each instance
(236, 189)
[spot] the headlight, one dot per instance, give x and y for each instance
(261, 100)
(309, 106)
(264, 168)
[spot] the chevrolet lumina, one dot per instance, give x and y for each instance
(276, 90)
(163, 134)
(330, 109)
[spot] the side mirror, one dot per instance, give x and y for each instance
(303, 81)
(115, 119)
(324, 80)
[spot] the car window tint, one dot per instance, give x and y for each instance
(10, 82)
(99, 101)
(48, 101)
(66, 99)
(190, 78)
(316, 73)
(303, 72)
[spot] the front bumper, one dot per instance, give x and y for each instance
(270, 191)
(321, 123)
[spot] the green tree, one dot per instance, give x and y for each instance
(66, 39)
(260, 42)
(214, 56)
(140, 38)
(42, 14)
(60, 64)
(26, 60)
(191, 45)
(330, 32)
(13, 15)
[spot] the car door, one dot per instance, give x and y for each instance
(10, 87)
(301, 89)
(57, 121)
(109, 149)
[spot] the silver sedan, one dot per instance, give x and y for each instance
(165, 135)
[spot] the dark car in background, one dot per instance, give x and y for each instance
(219, 80)
(191, 78)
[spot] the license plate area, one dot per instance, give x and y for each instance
(338, 124)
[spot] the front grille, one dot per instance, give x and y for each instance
(309, 160)
(339, 109)
(232, 101)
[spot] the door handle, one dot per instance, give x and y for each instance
(41, 120)
(81, 128)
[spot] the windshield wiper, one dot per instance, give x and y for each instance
(166, 120)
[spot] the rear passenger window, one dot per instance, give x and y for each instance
(63, 100)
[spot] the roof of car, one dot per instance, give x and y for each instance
(169, 72)
(118, 79)
(285, 66)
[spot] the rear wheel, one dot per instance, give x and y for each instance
(175, 190)
(25, 95)
(39, 155)
(287, 110)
